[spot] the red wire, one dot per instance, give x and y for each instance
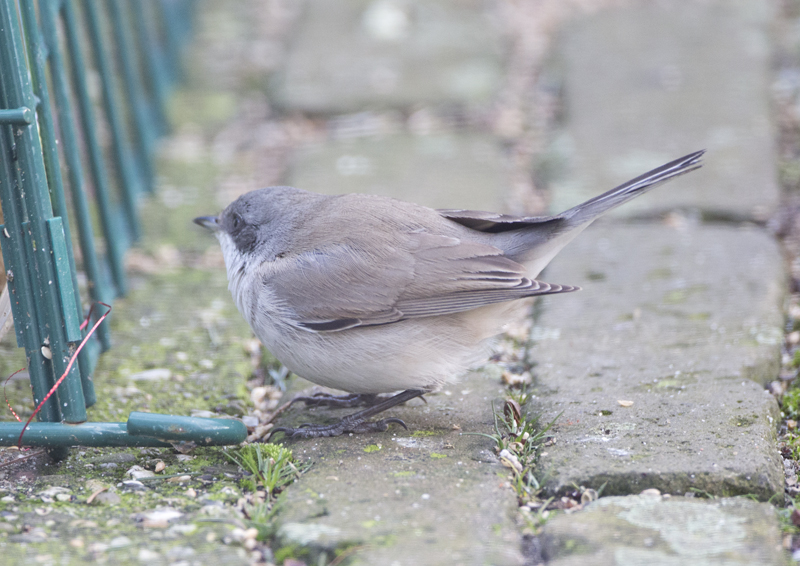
(66, 371)
(10, 408)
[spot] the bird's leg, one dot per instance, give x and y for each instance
(338, 401)
(357, 422)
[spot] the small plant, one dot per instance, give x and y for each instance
(270, 465)
(260, 516)
(789, 517)
(518, 440)
(791, 441)
(791, 403)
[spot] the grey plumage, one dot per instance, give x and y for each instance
(371, 295)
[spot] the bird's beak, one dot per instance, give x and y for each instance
(210, 222)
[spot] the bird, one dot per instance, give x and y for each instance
(373, 295)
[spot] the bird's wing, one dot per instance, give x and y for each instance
(492, 222)
(347, 285)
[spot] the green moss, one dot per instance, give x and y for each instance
(660, 273)
(405, 474)
(437, 455)
(678, 296)
(700, 316)
(423, 433)
(744, 420)
(372, 448)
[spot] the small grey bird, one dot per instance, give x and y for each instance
(371, 295)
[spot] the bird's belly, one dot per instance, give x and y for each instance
(410, 354)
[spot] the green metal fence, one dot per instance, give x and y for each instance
(48, 48)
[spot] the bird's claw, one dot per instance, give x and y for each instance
(337, 401)
(357, 426)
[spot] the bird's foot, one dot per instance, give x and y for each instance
(338, 401)
(357, 422)
(347, 424)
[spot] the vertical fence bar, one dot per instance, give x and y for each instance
(129, 184)
(35, 194)
(143, 126)
(19, 282)
(115, 245)
(153, 67)
(71, 306)
(175, 26)
(100, 289)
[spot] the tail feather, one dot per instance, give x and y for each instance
(592, 208)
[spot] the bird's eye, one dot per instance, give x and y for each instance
(236, 221)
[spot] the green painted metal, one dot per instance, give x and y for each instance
(100, 287)
(142, 429)
(14, 252)
(115, 244)
(62, 237)
(57, 435)
(36, 239)
(17, 116)
(153, 63)
(205, 432)
(142, 120)
(64, 272)
(129, 182)
(176, 19)
(30, 169)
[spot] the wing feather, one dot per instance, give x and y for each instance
(348, 285)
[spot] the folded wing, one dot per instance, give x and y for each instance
(362, 284)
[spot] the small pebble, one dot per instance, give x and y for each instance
(138, 472)
(155, 374)
(588, 496)
(510, 460)
(147, 555)
(119, 542)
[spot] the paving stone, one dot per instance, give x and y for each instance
(685, 323)
(646, 84)
(447, 170)
(430, 495)
(356, 54)
(658, 531)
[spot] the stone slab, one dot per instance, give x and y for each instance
(426, 496)
(445, 170)
(658, 531)
(686, 324)
(646, 84)
(358, 54)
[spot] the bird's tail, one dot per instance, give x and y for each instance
(592, 208)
